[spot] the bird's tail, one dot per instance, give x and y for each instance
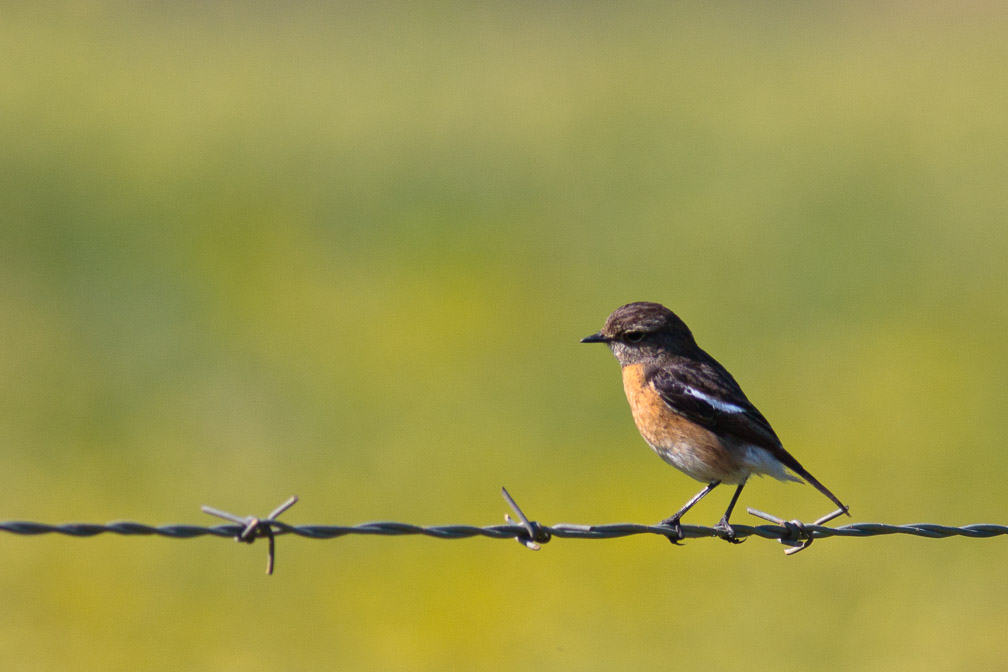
(823, 489)
(796, 467)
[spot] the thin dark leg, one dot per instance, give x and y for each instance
(673, 521)
(724, 526)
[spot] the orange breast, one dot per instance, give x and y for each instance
(682, 443)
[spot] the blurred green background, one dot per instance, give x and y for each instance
(347, 251)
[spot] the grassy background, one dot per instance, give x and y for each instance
(347, 252)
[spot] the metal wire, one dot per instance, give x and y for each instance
(247, 529)
(509, 531)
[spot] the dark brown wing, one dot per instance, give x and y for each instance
(705, 393)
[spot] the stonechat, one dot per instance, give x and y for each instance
(691, 411)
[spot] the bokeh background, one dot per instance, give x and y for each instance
(249, 250)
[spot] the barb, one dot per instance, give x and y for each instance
(255, 527)
(795, 534)
(536, 533)
(799, 537)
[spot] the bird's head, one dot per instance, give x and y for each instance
(638, 331)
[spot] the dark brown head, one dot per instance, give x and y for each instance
(639, 331)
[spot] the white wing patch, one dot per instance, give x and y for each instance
(718, 404)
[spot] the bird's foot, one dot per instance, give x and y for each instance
(677, 531)
(727, 532)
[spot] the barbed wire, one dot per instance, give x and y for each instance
(794, 534)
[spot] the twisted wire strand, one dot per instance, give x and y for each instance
(795, 534)
(505, 531)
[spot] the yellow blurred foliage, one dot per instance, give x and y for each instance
(348, 251)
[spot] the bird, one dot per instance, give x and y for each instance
(692, 412)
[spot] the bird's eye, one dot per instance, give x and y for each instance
(635, 336)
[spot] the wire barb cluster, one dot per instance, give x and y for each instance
(531, 534)
(254, 527)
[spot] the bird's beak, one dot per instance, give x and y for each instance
(595, 338)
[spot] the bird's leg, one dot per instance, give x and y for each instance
(673, 521)
(724, 526)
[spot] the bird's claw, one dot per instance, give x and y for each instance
(677, 531)
(727, 532)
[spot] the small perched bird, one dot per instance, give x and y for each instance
(691, 411)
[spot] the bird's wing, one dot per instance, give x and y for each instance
(705, 393)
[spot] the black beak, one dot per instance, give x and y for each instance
(595, 338)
